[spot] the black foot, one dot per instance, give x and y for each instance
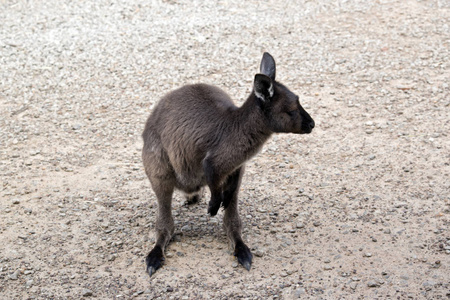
(213, 207)
(243, 254)
(154, 260)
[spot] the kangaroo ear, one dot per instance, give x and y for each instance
(268, 66)
(263, 87)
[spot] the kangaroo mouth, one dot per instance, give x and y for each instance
(306, 128)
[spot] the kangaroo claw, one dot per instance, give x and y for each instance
(243, 254)
(154, 260)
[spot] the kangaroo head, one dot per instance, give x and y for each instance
(281, 107)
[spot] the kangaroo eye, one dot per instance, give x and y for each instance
(291, 113)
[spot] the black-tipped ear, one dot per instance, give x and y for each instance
(267, 66)
(263, 87)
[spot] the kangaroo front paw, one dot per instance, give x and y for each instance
(243, 254)
(213, 206)
(154, 260)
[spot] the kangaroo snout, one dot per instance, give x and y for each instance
(307, 122)
(307, 127)
(310, 125)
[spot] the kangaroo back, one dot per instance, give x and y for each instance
(184, 125)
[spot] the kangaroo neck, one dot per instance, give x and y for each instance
(252, 115)
(251, 127)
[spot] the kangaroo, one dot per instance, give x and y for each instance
(197, 137)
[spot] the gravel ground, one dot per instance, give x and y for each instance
(359, 209)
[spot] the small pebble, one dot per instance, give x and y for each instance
(300, 225)
(86, 293)
(15, 275)
(299, 293)
(372, 283)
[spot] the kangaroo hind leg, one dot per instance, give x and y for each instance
(232, 221)
(164, 224)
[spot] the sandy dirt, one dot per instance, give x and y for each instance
(359, 209)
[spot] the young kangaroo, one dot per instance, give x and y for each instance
(196, 136)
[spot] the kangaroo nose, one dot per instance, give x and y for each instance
(311, 124)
